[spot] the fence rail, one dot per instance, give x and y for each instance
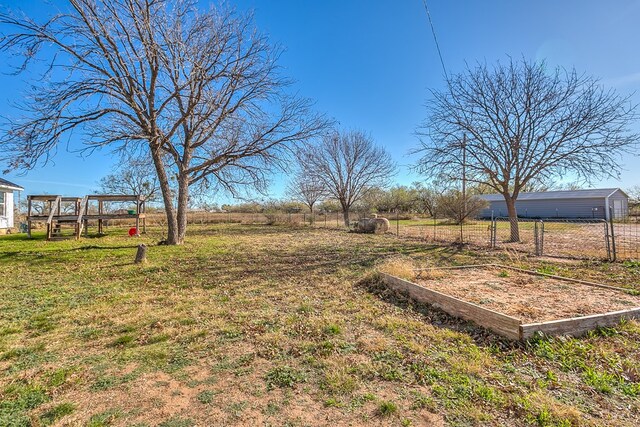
(616, 239)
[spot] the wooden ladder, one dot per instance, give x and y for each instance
(54, 210)
(81, 211)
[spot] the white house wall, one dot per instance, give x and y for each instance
(7, 220)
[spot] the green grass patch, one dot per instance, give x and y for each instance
(105, 418)
(284, 376)
(387, 409)
(56, 413)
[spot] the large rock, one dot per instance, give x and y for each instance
(372, 225)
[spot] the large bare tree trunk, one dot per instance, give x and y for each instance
(167, 197)
(345, 214)
(513, 218)
(183, 205)
(202, 87)
(311, 209)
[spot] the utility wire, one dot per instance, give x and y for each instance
(435, 38)
(464, 137)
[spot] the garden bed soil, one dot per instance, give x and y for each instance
(526, 296)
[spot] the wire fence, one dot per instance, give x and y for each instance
(625, 229)
(616, 239)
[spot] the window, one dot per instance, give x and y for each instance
(3, 203)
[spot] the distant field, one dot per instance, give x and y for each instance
(283, 326)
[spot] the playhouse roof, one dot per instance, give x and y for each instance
(9, 185)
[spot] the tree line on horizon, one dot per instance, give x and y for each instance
(199, 96)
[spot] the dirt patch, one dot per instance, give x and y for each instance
(529, 297)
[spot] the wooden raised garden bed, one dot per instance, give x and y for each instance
(518, 303)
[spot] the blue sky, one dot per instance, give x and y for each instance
(369, 64)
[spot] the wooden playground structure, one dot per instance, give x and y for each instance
(76, 213)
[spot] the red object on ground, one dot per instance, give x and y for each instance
(133, 232)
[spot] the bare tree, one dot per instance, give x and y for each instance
(133, 176)
(371, 201)
(201, 88)
(347, 164)
(515, 124)
(398, 198)
(458, 207)
(634, 200)
(426, 196)
(634, 194)
(306, 189)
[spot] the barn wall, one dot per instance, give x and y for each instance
(620, 204)
(561, 208)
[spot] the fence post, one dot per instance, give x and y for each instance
(538, 233)
(435, 223)
(397, 223)
(607, 240)
(613, 235)
(492, 235)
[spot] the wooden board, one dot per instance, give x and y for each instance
(577, 326)
(502, 324)
(113, 216)
(52, 197)
(115, 197)
(69, 218)
(522, 270)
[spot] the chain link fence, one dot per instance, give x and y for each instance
(523, 235)
(616, 239)
(576, 238)
(598, 239)
(625, 228)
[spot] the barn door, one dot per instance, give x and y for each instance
(617, 209)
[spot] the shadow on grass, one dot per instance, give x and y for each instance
(50, 255)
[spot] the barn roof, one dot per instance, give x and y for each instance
(593, 193)
(10, 185)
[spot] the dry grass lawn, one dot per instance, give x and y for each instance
(278, 326)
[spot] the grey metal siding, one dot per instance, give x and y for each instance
(568, 208)
(620, 204)
(589, 203)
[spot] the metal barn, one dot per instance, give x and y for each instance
(589, 203)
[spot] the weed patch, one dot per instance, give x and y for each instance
(283, 376)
